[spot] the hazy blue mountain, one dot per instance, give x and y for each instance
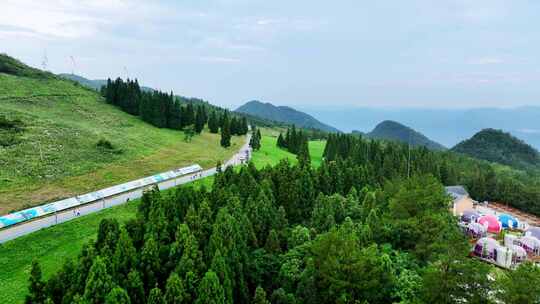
(284, 114)
(445, 126)
(95, 84)
(391, 130)
(501, 147)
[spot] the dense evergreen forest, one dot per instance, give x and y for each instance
(354, 230)
(484, 182)
(169, 111)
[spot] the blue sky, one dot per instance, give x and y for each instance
(437, 54)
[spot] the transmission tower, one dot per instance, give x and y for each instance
(45, 60)
(73, 65)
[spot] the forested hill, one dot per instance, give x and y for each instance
(500, 147)
(284, 114)
(391, 130)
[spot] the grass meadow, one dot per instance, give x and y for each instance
(57, 156)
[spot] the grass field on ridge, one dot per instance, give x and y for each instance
(57, 157)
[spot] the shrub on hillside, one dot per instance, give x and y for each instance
(106, 146)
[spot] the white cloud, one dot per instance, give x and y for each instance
(52, 18)
(73, 19)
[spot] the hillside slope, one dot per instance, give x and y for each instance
(391, 130)
(500, 147)
(49, 130)
(284, 114)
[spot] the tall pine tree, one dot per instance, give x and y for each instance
(225, 132)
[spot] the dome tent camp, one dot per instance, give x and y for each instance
(508, 221)
(507, 257)
(476, 230)
(470, 216)
(491, 223)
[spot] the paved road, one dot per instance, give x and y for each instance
(64, 216)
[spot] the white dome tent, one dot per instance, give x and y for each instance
(530, 244)
(476, 230)
(486, 248)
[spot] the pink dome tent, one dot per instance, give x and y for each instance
(491, 222)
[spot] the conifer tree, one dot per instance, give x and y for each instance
(273, 243)
(213, 123)
(244, 126)
(220, 267)
(175, 117)
(255, 141)
(304, 159)
(155, 296)
(189, 114)
(150, 263)
(199, 119)
(36, 289)
(135, 287)
(175, 292)
(287, 138)
(125, 256)
(260, 296)
(210, 290)
(281, 141)
(117, 296)
(99, 282)
(259, 137)
(225, 132)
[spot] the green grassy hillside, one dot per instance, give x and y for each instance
(270, 154)
(49, 129)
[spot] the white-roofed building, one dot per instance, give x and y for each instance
(461, 200)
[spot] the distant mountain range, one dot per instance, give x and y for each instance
(446, 126)
(394, 131)
(95, 84)
(283, 114)
(500, 147)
